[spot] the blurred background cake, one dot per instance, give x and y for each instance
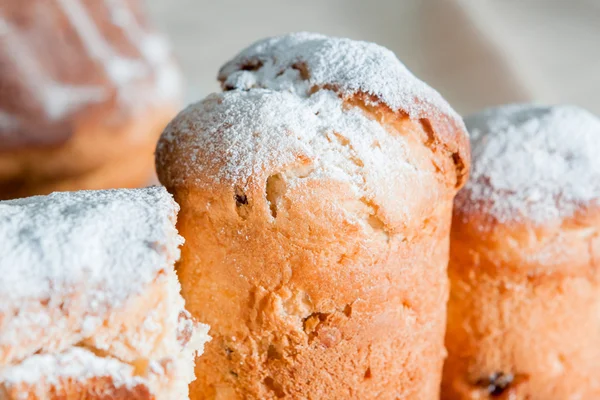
(85, 89)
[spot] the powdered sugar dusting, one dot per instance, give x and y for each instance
(112, 242)
(532, 163)
(236, 135)
(348, 65)
(75, 363)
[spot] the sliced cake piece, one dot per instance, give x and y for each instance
(89, 299)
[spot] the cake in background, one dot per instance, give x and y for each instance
(90, 305)
(316, 196)
(86, 87)
(523, 320)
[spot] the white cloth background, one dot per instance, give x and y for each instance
(475, 52)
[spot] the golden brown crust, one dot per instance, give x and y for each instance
(563, 247)
(354, 322)
(98, 156)
(312, 292)
(522, 315)
(445, 134)
(451, 137)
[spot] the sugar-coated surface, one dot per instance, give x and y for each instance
(233, 136)
(532, 163)
(348, 65)
(75, 363)
(109, 243)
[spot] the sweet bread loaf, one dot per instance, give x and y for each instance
(523, 318)
(86, 87)
(319, 187)
(90, 305)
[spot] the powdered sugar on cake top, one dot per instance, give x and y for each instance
(108, 244)
(348, 65)
(236, 135)
(532, 163)
(296, 110)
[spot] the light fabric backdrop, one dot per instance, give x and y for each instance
(475, 52)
